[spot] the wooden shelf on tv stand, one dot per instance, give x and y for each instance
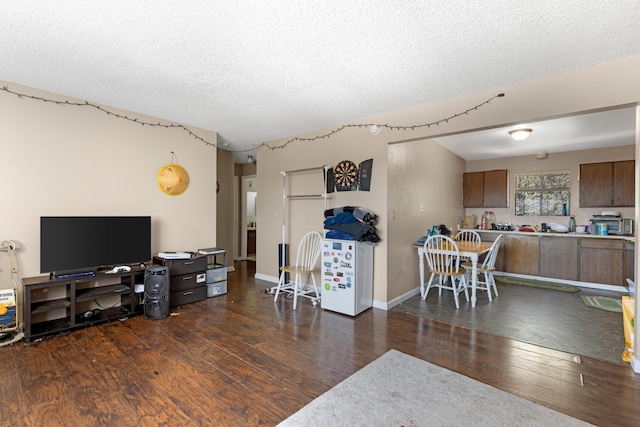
(55, 306)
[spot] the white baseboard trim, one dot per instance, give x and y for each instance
(272, 279)
(600, 286)
(386, 306)
(635, 364)
(397, 300)
(376, 304)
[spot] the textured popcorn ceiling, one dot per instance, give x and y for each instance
(257, 70)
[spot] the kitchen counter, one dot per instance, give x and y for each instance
(555, 234)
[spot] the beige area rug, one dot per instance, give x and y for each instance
(400, 390)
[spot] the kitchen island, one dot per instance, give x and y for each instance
(602, 262)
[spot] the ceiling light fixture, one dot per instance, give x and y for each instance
(520, 134)
(374, 129)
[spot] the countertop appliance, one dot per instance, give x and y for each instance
(615, 225)
(347, 276)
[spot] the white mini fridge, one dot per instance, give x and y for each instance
(347, 276)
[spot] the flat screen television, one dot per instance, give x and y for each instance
(86, 244)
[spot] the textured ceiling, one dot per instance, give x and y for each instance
(256, 70)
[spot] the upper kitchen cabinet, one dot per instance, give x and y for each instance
(624, 183)
(607, 184)
(486, 189)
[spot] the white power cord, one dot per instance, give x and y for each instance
(10, 246)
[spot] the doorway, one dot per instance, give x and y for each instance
(248, 223)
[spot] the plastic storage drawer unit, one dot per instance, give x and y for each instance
(216, 271)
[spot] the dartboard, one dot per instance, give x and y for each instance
(346, 175)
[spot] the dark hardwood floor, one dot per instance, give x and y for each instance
(240, 359)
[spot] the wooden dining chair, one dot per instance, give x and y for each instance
(486, 281)
(308, 253)
(443, 258)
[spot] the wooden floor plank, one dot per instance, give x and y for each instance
(241, 359)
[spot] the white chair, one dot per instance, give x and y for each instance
(467, 236)
(486, 269)
(306, 260)
(443, 258)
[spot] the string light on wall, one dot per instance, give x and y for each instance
(374, 128)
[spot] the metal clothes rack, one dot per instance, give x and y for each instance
(285, 197)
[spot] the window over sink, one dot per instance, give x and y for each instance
(542, 194)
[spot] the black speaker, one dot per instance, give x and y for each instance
(156, 293)
(283, 259)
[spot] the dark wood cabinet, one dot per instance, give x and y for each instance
(521, 254)
(495, 189)
(595, 184)
(629, 260)
(607, 184)
(473, 189)
(608, 261)
(624, 187)
(251, 242)
(559, 258)
(602, 261)
(486, 189)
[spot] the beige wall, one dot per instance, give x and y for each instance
(426, 176)
(245, 169)
(307, 214)
(66, 160)
(600, 86)
(569, 161)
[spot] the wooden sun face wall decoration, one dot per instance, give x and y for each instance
(173, 179)
(346, 176)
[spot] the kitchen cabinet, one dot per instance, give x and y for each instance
(521, 254)
(607, 184)
(602, 261)
(486, 189)
(559, 258)
(251, 242)
(629, 259)
(624, 183)
(472, 189)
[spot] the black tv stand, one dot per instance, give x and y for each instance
(54, 305)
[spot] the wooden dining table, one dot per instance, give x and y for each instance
(471, 250)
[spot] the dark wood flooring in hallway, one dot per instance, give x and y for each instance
(240, 359)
